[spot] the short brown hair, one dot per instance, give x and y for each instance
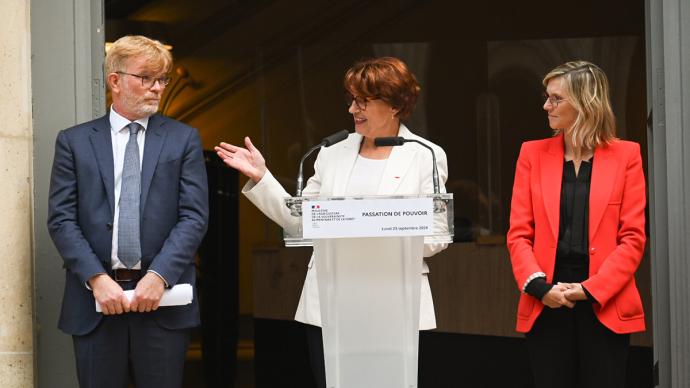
(386, 78)
(588, 92)
(157, 56)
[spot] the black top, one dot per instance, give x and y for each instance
(572, 258)
(573, 231)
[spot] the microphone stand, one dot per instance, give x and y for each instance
(326, 142)
(398, 141)
(300, 173)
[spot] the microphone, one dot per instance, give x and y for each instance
(389, 141)
(398, 141)
(334, 138)
(326, 142)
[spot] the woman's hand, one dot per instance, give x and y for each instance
(574, 291)
(248, 160)
(555, 298)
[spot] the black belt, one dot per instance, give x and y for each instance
(127, 275)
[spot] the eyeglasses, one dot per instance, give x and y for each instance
(148, 81)
(554, 101)
(360, 102)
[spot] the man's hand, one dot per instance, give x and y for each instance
(574, 291)
(109, 295)
(555, 298)
(147, 294)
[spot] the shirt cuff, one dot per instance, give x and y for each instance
(538, 287)
(86, 283)
(532, 277)
(160, 276)
(589, 296)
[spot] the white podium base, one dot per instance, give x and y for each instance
(369, 291)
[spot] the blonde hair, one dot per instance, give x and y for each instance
(158, 58)
(588, 92)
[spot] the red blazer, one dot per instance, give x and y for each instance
(616, 228)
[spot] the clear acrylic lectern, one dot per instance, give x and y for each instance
(369, 289)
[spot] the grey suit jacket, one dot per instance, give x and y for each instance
(174, 213)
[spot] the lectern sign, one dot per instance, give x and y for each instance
(370, 217)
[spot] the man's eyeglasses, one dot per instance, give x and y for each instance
(360, 102)
(554, 101)
(148, 81)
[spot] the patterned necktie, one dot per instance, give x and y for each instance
(128, 244)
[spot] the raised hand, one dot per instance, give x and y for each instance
(248, 161)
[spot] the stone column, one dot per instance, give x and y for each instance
(16, 181)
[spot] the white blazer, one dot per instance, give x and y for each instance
(407, 172)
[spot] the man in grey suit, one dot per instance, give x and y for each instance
(128, 208)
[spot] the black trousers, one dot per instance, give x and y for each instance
(131, 345)
(316, 355)
(570, 348)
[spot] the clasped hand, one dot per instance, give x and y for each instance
(564, 294)
(111, 297)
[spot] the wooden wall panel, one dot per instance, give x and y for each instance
(278, 278)
(472, 285)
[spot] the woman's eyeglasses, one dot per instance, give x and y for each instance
(360, 102)
(554, 101)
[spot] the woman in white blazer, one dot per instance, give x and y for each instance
(379, 92)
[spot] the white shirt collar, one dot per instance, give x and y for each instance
(118, 122)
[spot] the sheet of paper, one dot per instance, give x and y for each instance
(179, 295)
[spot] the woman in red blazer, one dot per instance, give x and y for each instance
(577, 234)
